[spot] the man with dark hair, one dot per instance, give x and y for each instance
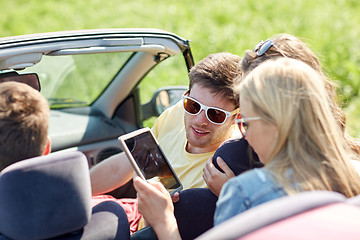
(191, 130)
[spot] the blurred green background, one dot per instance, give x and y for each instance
(330, 28)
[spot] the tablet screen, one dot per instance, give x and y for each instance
(151, 160)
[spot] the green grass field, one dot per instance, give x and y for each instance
(329, 27)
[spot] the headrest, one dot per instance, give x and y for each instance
(45, 196)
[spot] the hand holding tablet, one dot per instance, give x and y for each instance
(148, 159)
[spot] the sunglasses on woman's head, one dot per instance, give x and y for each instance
(262, 47)
(214, 115)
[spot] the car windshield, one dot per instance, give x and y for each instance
(77, 80)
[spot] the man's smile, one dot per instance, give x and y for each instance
(199, 132)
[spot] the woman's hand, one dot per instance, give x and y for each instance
(156, 206)
(214, 178)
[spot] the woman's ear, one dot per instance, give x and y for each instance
(47, 149)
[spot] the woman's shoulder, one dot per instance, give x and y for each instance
(237, 155)
(257, 185)
(260, 174)
(232, 147)
(234, 141)
(254, 178)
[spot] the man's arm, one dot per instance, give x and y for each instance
(111, 173)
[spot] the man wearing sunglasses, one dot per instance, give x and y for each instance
(189, 132)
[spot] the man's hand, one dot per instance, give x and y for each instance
(156, 206)
(214, 178)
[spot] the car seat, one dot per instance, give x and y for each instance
(354, 200)
(274, 212)
(49, 197)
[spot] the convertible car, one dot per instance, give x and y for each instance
(92, 81)
(101, 84)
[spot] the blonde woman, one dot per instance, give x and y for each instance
(288, 121)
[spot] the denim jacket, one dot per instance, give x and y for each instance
(245, 191)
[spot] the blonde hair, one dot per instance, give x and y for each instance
(310, 144)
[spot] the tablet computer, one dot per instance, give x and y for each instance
(148, 160)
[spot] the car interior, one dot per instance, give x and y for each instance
(92, 81)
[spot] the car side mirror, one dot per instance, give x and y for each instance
(162, 99)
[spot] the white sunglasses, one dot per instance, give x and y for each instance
(214, 115)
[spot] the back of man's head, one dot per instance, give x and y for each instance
(218, 71)
(24, 121)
